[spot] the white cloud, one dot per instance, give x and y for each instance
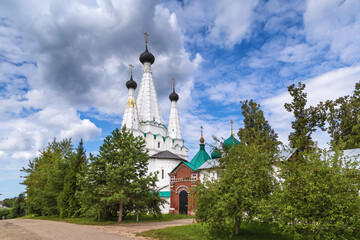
(298, 53)
(328, 86)
(233, 22)
(63, 58)
(334, 23)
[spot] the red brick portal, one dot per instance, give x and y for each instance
(182, 179)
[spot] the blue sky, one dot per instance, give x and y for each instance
(64, 64)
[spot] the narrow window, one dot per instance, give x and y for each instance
(162, 173)
(158, 144)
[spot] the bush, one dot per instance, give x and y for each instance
(5, 212)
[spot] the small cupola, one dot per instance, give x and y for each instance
(131, 83)
(174, 96)
(146, 56)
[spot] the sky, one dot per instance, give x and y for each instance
(64, 65)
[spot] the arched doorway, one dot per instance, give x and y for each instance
(183, 202)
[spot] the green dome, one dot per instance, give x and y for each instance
(231, 141)
(216, 153)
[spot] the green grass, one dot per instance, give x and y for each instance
(129, 219)
(197, 232)
(149, 218)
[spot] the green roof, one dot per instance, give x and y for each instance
(231, 141)
(164, 194)
(187, 164)
(215, 153)
(200, 157)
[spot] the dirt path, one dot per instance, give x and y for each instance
(31, 229)
(130, 229)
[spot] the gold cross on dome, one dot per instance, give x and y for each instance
(131, 66)
(231, 122)
(202, 138)
(173, 84)
(146, 37)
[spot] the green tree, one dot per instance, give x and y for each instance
(45, 177)
(307, 119)
(18, 209)
(343, 118)
(118, 175)
(68, 201)
(318, 197)
(256, 129)
(9, 202)
(247, 177)
(246, 182)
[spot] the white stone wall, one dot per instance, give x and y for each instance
(166, 165)
(163, 166)
(208, 174)
(166, 208)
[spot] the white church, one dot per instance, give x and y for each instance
(143, 117)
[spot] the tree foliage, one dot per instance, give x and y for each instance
(307, 119)
(118, 177)
(318, 197)
(18, 209)
(256, 129)
(8, 202)
(247, 177)
(343, 118)
(68, 200)
(45, 179)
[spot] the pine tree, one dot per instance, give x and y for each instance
(68, 202)
(118, 175)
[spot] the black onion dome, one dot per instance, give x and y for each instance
(173, 96)
(131, 83)
(147, 57)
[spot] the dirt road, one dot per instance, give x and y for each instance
(31, 229)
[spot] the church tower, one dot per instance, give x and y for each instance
(150, 122)
(174, 129)
(130, 118)
(143, 117)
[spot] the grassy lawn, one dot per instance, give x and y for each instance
(90, 221)
(197, 231)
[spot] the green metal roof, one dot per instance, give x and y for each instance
(200, 157)
(215, 153)
(164, 194)
(231, 141)
(187, 164)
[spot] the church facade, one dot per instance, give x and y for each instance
(168, 154)
(143, 117)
